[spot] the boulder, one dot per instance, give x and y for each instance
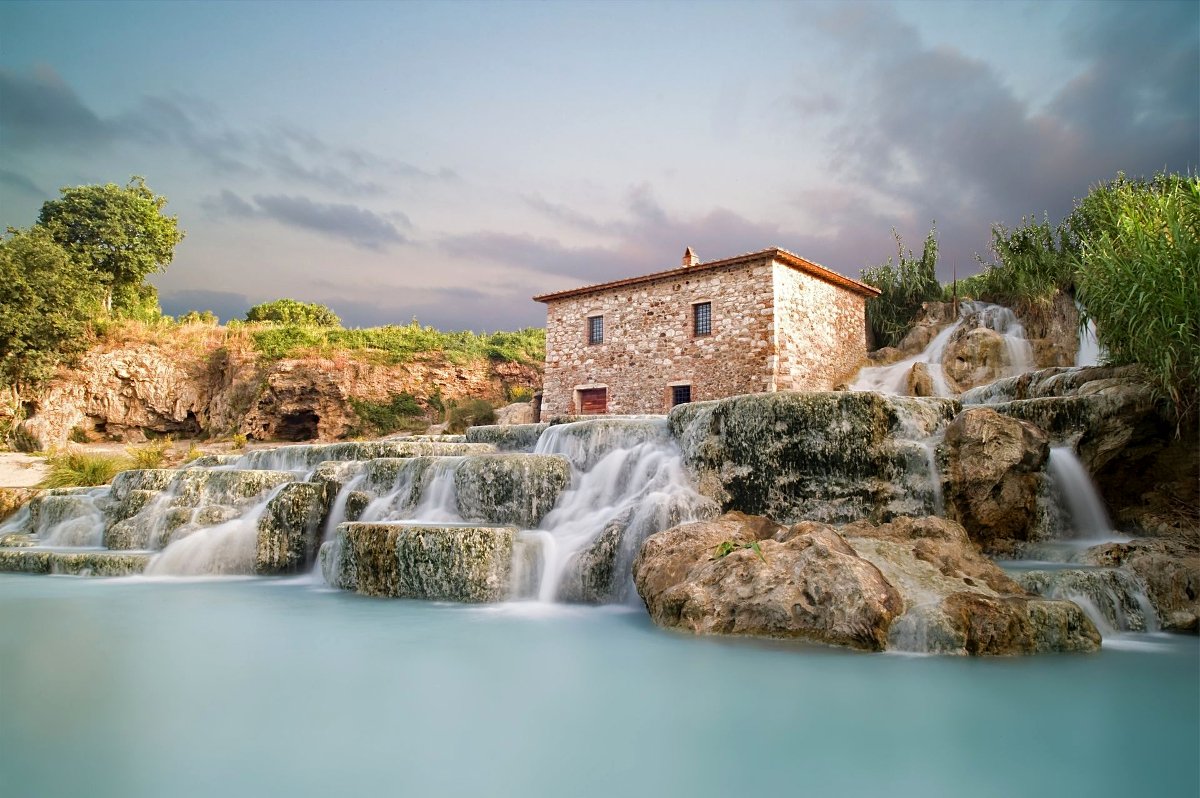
(975, 356)
(517, 489)
(920, 381)
(804, 582)
(993, 476)
(515, 413)
(943, 576)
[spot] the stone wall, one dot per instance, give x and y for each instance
(821, 332)
(649, 345)
(773, 328)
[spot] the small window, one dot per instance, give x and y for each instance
(702, 318)
(595, 328)
(680, 394)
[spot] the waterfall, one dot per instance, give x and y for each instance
(628, 482)
(893, 379)
(1089, 521)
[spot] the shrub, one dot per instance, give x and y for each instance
(148, 455)
(402, 412)
(1139, 278)
(519, 393)
(904, 285)
(199, 317)
(291, 311)
(82, 469)
(78, 435)
(1033, 262)
(471, 413)
(238, 441)
(193, 453)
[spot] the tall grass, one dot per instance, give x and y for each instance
(82, 469)
(905, 285)
(1033, 263)
(1139, 279)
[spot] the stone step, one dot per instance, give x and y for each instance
(447, 562)
(91, 562)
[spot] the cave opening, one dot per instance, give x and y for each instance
(300, 426)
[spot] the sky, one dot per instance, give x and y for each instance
(447, 161)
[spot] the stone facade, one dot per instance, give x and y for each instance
(778, 322)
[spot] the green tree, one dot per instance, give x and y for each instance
(47, 299)
(120, 234)
(291, 311)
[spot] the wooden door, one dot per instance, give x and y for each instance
(593, 401)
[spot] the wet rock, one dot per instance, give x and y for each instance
(153, 479)
(513, 438)
(1169, 570)
(11, 500)
(1115, 596)
(517, 489)
(993, 476)
(289, 531)
(445, 563)
(920, 382)
(195, 487)
(74, 563)
(938, 571)
(832, 457)
(975, 356)
(808, 583)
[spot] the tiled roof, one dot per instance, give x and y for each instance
(781, 255)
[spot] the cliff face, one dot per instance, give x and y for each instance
(210, 385)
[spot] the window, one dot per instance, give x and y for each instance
(680, 394)
(702, 318)
(595, 329)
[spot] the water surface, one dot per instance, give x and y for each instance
(264, 687)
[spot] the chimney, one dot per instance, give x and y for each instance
(689, 257)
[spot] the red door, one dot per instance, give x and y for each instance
(593, 401)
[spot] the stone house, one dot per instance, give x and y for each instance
(765, 321)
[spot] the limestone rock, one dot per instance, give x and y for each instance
(511, 438)
(516, 489)
(831, 457)
(920, 382)
(1170, 571)
(444, 563)
(993, 476)
(515, 413)
(289, 531)
(811, 585)
(938, 571)
(74, 563)
(975, 356)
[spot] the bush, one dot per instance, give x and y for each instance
(470, 413)
(238, 441)
(193, 453)
(149, 455)
(1034, 262)
(82, 469)
(519, 393)
(904, 285)
(291, 311)
(78, 435)
(402, 413)
(401, 343)
(199, 317)
(1139, 278)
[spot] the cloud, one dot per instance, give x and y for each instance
(227, 305)
(40, 109)
(21, 184)
(933, 132)
(359, 226)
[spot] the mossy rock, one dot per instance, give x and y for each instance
(289, 531)
(74, 563)
(508, 437)
(834, 457)
(516, 489)
(147, 479)
(442, 563)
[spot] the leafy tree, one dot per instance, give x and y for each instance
(291, 311)
(199, 317)
(46, 301)
(120, 234)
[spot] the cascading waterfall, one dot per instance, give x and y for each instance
(628, 481)
(1089, 522)
(893, 379)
